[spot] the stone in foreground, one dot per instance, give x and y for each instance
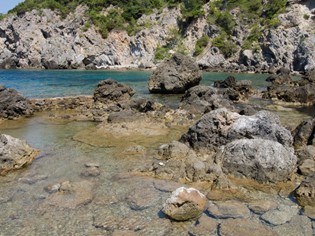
(305, 193)
(13, 104)
(175, 75)
(185, 204)
(14, 154)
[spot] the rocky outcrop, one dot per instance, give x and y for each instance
(43, 39)
(235, 90)
(111, 91)
(175, 75)
(202, 99)
(13, 104)
(284, 89)
(304, 133)
(185, 204)
(14, 154)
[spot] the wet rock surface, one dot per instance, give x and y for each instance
(228, 209)
(14, 154)
(244, 227)
(185, 204)
(13, 104)
(175, 75)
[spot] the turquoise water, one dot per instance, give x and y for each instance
(59, 83)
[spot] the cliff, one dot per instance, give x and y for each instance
(44, 39)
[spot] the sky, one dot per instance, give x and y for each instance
(6, 5)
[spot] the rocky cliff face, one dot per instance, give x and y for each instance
(41, 39)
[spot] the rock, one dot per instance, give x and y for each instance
(281, 215)
(143, 197)
(258, 159)
(71, 194)
(262, 206)
(305, 193)
(14, 154)
(309, 212)
(228, 209)
(204, 226)
(109, 90)
(13, 104)
(298, 226)
(91, 171)
(175, 75)
(185, 204)
(244, 227)
(175, 150)
(221, 126)
(202, 99)
(123, 116)
(304, 133)
(307, 167)
(229, 82)
(305, 153)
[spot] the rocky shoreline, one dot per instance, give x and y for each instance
(243, 160)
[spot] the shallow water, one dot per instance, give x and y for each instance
(114, 200)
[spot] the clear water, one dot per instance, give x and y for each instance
(120, 201)
(59, 83)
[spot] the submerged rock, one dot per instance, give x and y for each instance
(244, 227)
(13, 104)
(185, 204)
(14, 154)
(175, 75)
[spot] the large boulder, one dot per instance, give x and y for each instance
(13, 104)
(221, 127)
(175, 75)
(109, 91)
(14, 154)
(258, 159)
(185, 204)
(202, 99)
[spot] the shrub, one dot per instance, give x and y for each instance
(161, 53)
(201, 44)
(226, 21)
(226, 46)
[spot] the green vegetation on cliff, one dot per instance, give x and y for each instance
(252, 15)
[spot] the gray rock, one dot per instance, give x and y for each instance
(14, 154)
(185, 204)
(282, 215)
(228, 209)
(111, 91)
(262, 206)
(244, 227)
(305, 153)
(298, 226)
(258, 159)
(175, 75)
(202, 99)
(307, 167)
(221, 126)
(13, 104)
(175, 149)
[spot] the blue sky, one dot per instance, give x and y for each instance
(6, 5)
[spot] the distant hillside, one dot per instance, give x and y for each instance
(244, 35)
